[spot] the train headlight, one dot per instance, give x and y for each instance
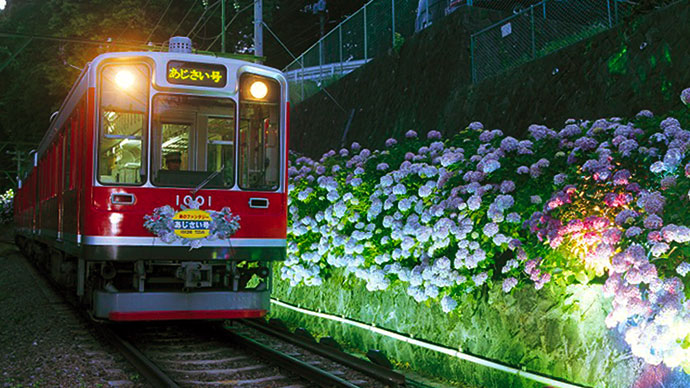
(258, 90)
(124, 79)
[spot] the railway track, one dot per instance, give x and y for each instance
(202, 354)
(246, 353)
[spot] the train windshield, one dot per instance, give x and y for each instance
(123, 121)
(193, 141)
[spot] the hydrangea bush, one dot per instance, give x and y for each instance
(596, 201)
(6, 206)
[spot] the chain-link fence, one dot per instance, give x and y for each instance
(373, 29)
(538, 29)
(535, 29)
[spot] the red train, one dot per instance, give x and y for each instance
(160, 189)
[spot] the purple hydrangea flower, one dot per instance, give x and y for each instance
(509, 284)
(586, 143)
(644, 113)
(621, 177)
(486, 136)
(559, 179)
(653, 203)
(507, 187)
(668, 181)
(433, 135)
(476, 126)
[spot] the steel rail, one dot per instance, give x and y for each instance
(154, 375)
(372, 370)
(301, 368)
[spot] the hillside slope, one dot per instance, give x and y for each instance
(426, 85)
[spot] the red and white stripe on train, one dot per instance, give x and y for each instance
(140, 131)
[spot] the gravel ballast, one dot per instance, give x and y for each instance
(44, 342)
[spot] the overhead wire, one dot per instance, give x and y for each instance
(184, 18)
(159, 20)
(209, 17)
(295, 58)
(305, 36)
(230, 22)
(202, 16)
(72, 40)
(129, 25)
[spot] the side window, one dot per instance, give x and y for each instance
(123, 116)
(259, 148)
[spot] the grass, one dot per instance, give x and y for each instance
(555, 332)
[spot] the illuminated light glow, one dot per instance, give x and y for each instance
(2, 4)
(115, 219)
(440, 349)
(124, 79)
(258, 90)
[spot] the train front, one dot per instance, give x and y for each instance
(188, 206)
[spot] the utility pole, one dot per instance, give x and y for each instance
(258, 29)
(222, 26)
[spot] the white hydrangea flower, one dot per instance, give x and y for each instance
(683, 268)
(448, 304)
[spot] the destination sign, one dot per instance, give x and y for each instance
(198, 74)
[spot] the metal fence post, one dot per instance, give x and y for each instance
(469, 2)
(302, 63)
(615, 8)
(543, 6)
(473, 75)
(340, 45)
(365, 31)
(393, 22)
(534, 46)
(608, 6)
(320, 59)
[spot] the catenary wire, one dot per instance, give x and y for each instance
(184, 18)
(202, 16)
(159, 20)
(230, 22)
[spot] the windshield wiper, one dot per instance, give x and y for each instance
(208, 179)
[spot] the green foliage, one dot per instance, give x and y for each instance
(398, 42)
(6, 206)
(618, 62)
(557, 331)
